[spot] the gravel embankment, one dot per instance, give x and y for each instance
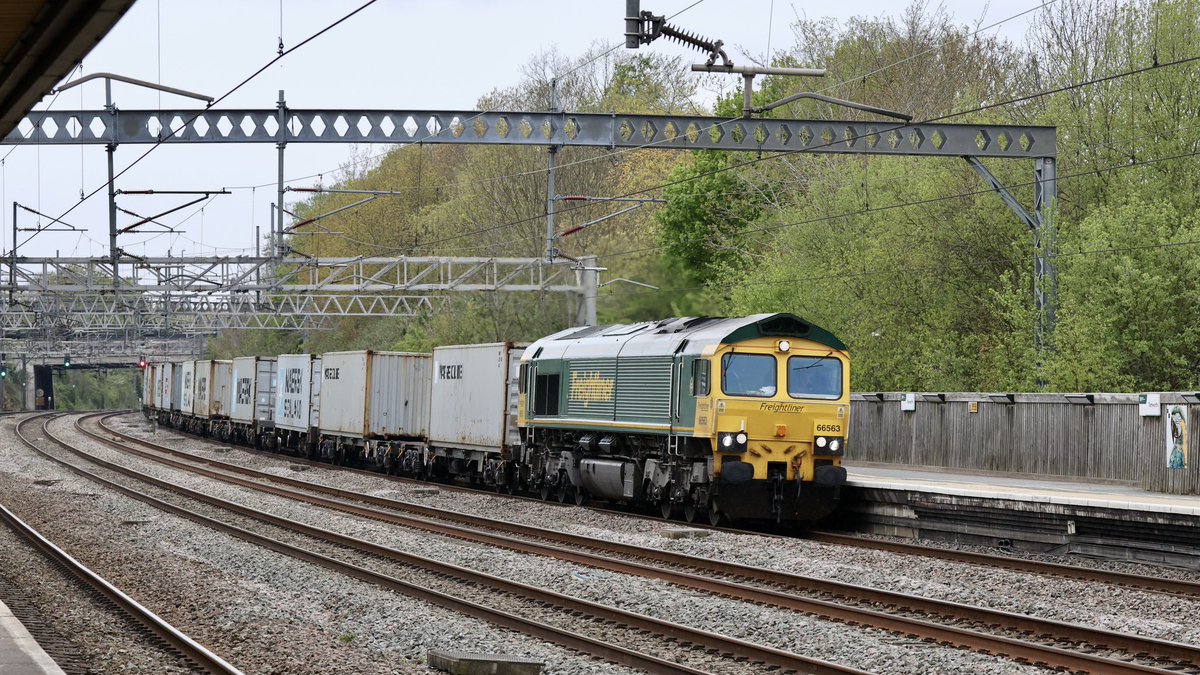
(1117, 609)
(865, 648)
(262, 611)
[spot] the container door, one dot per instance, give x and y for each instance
(314, 417)
(512, 434)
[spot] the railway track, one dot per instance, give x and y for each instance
(1024, 638)
(683, 649)
(1177, 587)
(151, 628)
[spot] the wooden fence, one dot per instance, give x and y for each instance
(1044, 435)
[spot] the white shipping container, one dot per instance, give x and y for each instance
(148, 386)
(253, 391)
(375, 394)
(162, 374)
(187, 386)
(474, 396)
(297, 391)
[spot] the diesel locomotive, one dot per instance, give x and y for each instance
(711, 418)
(730, 418)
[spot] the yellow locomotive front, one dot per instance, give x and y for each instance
(777, 414)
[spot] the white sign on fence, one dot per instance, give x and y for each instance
(1149, 405)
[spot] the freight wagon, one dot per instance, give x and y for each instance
(297, 404)
(250, 401)
(375, 405)
(473, 415)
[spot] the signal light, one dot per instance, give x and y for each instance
(3, 371)
(66, 361)
(141, 362)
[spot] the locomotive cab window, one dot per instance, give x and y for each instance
(748, 375)
(700, 377)
(814, 377)
(545, 394)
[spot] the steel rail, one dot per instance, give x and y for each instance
(1187, 589)
(1177, 587)
(1019, 649)
(739, 649)
(188, 648)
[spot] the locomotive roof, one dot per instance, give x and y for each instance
(669, 336)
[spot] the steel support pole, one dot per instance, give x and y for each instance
(282, 144)
(111, 149)
(589, 282)
(550, 190)
(12, 268)
(30, 384)
(1045, 194)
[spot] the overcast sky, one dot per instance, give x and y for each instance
(396, 54)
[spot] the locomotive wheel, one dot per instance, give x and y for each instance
(563, 492)
(544, 491)
(690, 511)
(666, 507)
(715, 517)
(581, 497)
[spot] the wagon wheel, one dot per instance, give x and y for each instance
(666, 507)
(581, 497)
(690, 510)
(564, 490)
(715, 517)
(544, 490)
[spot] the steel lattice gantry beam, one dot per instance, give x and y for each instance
(201, 295)
(282, 126)
(612, 130)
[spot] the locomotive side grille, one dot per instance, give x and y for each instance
(644, 389)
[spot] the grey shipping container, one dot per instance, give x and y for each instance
(252, 396)
(474, 396)
(211, 388)
(297, 391)
(375, 394)
(175, 383)
(187, 386)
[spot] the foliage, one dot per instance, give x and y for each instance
(924, 272)
(96, 389)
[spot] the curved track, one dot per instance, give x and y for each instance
(175, 640)
(680, 645)
(1060, 645)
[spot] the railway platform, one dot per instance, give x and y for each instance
(1109, 520)
(20, 654)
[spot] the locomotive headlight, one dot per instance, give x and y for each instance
(741, 438)
(835, 445)
(784, 346)
(727, 441)
(822, 441)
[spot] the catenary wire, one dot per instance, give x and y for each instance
(764, 158)
(609, 155)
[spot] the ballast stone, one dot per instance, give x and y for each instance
(466, 663)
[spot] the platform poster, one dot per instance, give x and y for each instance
(1177, 444)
